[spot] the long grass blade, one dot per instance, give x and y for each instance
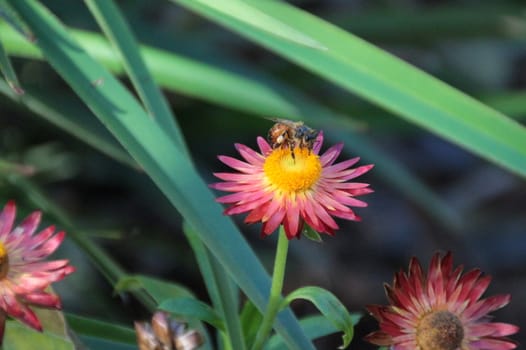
(383, 79)
(162, 160)
(117, 30)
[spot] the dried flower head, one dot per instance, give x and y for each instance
(165, 333)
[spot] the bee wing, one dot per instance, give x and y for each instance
(290, 123)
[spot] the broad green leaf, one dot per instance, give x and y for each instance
(383, 79)
(159, 290)
(161, 159)
(101, 329)
(54, 337)
(261, 96)
(329, 306)
(191, 308)
(314, 326)
(256, 18)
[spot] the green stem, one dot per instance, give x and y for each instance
(275, 291)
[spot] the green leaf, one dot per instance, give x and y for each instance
(220, 287)
(258, 19)
(383, 79)
(314, 326)
(97, 343)
(54, 337)
(108, 331)
(311, 234)
(158, 289)
(261, 96)
(117, 30)
(9, 73)
(191, 308)
(8, 15)
(250, 319)
(161, 159)
(329, 306)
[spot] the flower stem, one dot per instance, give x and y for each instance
(275, 290)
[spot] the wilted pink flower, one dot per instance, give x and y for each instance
(23, 275)
(440, 311)
(280, 186)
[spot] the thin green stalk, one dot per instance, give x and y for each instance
(275, 290)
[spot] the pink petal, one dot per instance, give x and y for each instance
(237, 187)
(257, 214)
(29, 225)
(43, 299)
(493, 344)
(494, 329)
(291, 222)
(339, 167)
(7, 218)
(318, 143)
(239, 165)
(331, 154)
(235, 177)
(264, 147)
(322, 214)
(30, 319)
(40, 237)
(47, 247)
(485, 306)
(249, 154)
(274, 221)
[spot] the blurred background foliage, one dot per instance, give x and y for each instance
(474, 208)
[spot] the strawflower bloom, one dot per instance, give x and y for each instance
(284, 187)
(440, 311)
(23, 275)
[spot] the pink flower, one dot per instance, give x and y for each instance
(23, 275)
(440, 311)
(279, 187)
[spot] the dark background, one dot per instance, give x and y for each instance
(478, 47)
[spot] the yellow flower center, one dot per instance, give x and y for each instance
(4, 261)
(290, 172)
(440, 330)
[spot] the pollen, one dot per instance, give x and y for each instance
(292, 173)
(440, 330)
(4, 261)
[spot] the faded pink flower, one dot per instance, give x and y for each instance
(283, 187)
(440, 311)
(23, 275)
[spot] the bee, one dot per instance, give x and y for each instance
(290, 134)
